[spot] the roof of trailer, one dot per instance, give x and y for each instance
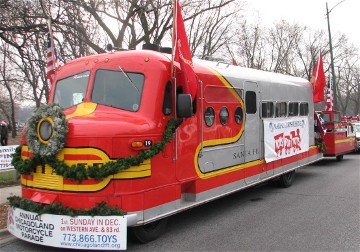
(231, 71)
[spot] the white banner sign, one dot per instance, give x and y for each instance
(6, 156)
(285, 137)
(81, 232)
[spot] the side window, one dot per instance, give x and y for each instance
(209, 116)
(280, 109)
(337, 117)
(304, 109)
(167, 103)
(250, 102)
(267, 109)
(238, 115)
(326, 117)
(293, 109)
(71, 90)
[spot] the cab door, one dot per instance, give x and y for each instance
(252, 130)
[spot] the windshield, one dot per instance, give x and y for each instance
(357, 128)
(71, 90)
(118, 89)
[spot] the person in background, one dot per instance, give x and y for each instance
(4, 133)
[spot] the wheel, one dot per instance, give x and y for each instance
(340, 157)
(149, 232)
(286, 179)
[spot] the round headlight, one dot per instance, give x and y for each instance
(45, 130)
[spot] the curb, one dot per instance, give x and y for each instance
(6, 237)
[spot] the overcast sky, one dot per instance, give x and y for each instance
(344, 18)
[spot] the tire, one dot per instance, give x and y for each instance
(149, 232)
(286, 180)
(340, 158)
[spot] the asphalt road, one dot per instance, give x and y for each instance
(319, 212)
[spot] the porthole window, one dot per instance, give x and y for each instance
(238, 115)
(209, 116)
(224, 115)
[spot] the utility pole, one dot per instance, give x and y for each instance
(331, 53)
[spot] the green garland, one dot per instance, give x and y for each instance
(102, 209)
(322, 146)
(79, 172)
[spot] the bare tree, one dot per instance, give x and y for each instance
(21, 27)
(308, 49)
(213, 30)
(347, 77)
(8, 84)
(282, 41)
(251, 44)
(355, 90)
(129, 23)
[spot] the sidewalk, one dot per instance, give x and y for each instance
(5, 236)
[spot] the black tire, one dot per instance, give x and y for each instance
(286, 180)
(340, 157)
(149, 232)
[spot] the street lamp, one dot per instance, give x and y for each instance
(331, 52)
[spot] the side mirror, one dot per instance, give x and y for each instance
(184, 105)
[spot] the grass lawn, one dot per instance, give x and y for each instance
(8, 178)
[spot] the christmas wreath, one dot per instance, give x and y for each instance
(46, 130)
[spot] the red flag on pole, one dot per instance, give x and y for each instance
(182, 52)
(52, 60)
(318, 81)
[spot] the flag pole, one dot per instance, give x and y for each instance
(318, 66)
(331, 56)
(174, 37)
